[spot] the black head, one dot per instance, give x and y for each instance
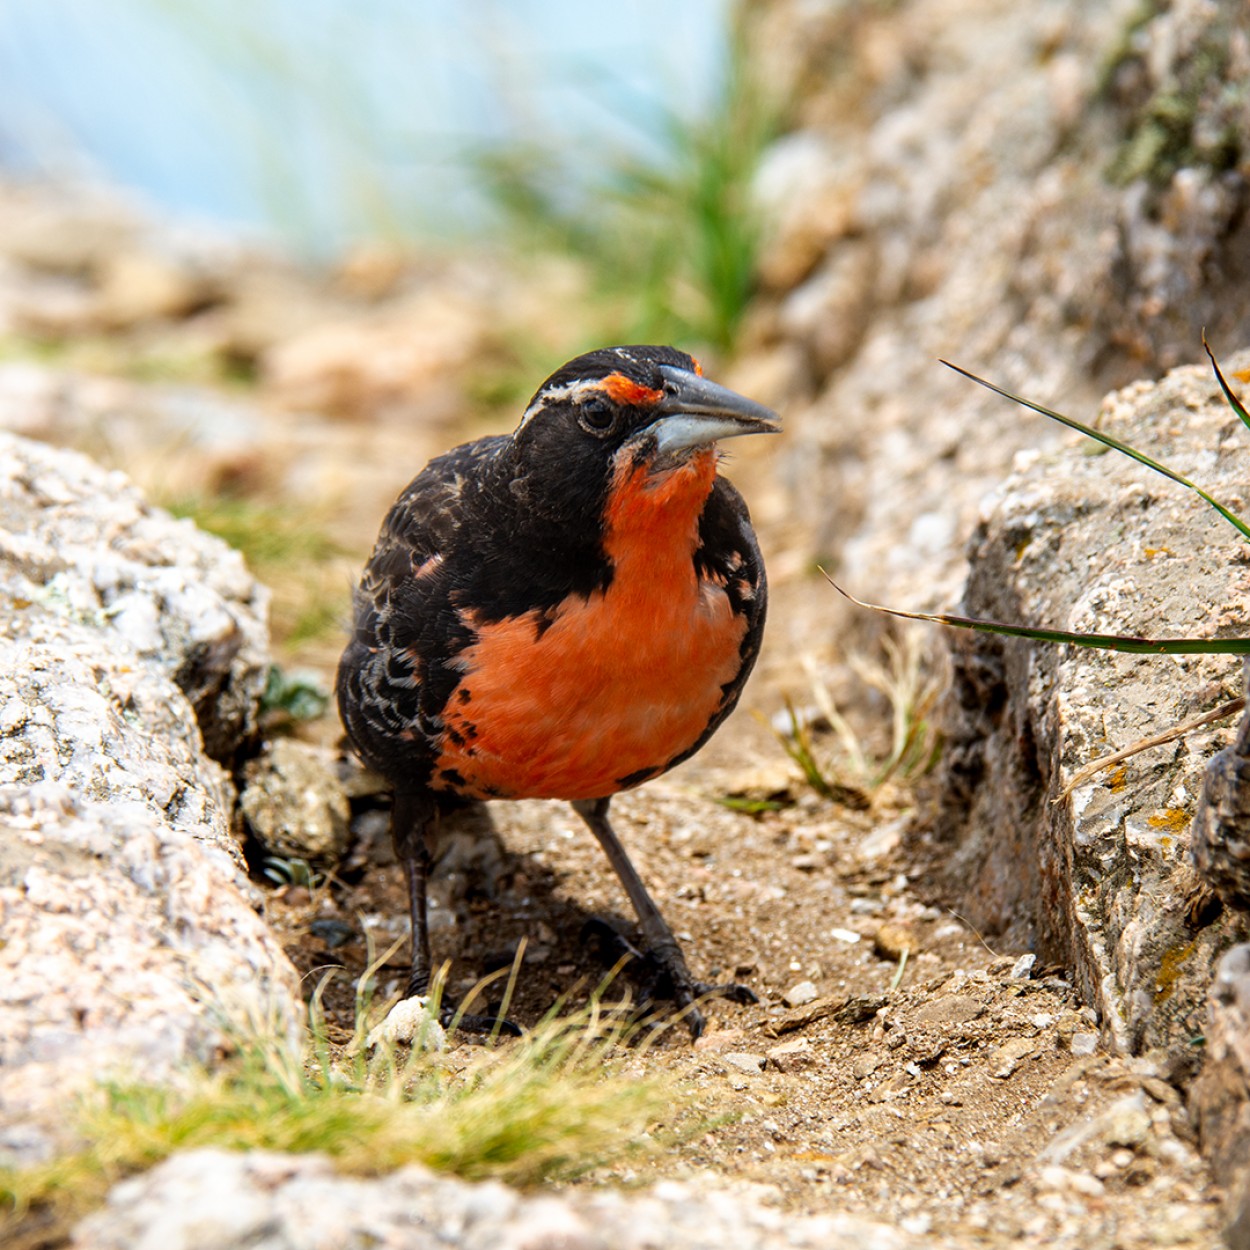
(649, 403)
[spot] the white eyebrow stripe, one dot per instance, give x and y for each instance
(569, 391)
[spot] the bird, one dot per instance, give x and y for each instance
(563, 612)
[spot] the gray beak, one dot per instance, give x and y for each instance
(695, 412)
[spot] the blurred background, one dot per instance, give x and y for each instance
(320, 122)
(268, 257)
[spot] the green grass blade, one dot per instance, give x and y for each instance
(1107, 441)
(1233, 402)
(1100, 642)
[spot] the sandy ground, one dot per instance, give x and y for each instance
(961, 1090)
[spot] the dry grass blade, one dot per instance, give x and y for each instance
(1097, 642)
(1092, 769)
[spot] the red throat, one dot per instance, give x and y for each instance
(607, 689)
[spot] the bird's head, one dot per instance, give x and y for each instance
(618, 411)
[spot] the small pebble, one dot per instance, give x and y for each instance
(1067, 1180)
(800, 995)
(844, 935)
(410, 1020)
(866, 1064)
(1127, 1121)
(1083, 1043)
(1022, 969)
(1006, 1059)
(744, 1061)
(893, 941)
(792, 1056)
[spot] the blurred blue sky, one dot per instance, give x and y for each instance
(329, 119)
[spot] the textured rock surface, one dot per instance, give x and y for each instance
(129, 929)
(279, 1202)
(82, 547)
(1051, 195)
(1083, 541)
(1220, 1097)
(1219, 840)
(294, 804)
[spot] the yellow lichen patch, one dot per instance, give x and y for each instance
(1116, 778)
(1170, 969)
(1174, 819)
(1152, 552)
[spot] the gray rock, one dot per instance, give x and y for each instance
(214, 1198)
(294, 803)
(1220, 1097)
(800, 994)
(1219, 841)
(82, 546)
(131, 943)
(966, 212)
(1100, 879)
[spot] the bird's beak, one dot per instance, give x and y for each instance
(695, 412)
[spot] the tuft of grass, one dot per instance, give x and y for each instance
(293, 696)
(552, 1105)
(852, 774)
(268, 535)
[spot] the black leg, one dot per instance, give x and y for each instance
(662, 947)
(414, 820)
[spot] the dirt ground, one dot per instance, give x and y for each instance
(961, 1090)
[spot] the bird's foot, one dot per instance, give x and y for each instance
(661, 973)
(466, 1022)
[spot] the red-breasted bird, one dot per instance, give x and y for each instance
(563, 613)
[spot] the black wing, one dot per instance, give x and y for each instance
(395, 677)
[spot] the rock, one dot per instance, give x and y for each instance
(1099, 879)
(744, 1061)
(950, 1009)
(893, 941)
(209, 1198)
(792, 1056)
(410, 1021)
(883, 249)
(800, 995)
(394, 361)
(81, 545)
(294, 804)
(1005, 1059)
(131, 942)
(1219, 840)
(141, 285)
(1022, 969)
(1220, 1097)
(1126, 1122)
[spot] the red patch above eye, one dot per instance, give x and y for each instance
(625, 390)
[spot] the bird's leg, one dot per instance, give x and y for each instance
(414, 819)
(662, 947)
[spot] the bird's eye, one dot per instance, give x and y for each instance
(596, 414)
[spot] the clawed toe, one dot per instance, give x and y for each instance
(662, 974)
(743, 995)
(464, 1022)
